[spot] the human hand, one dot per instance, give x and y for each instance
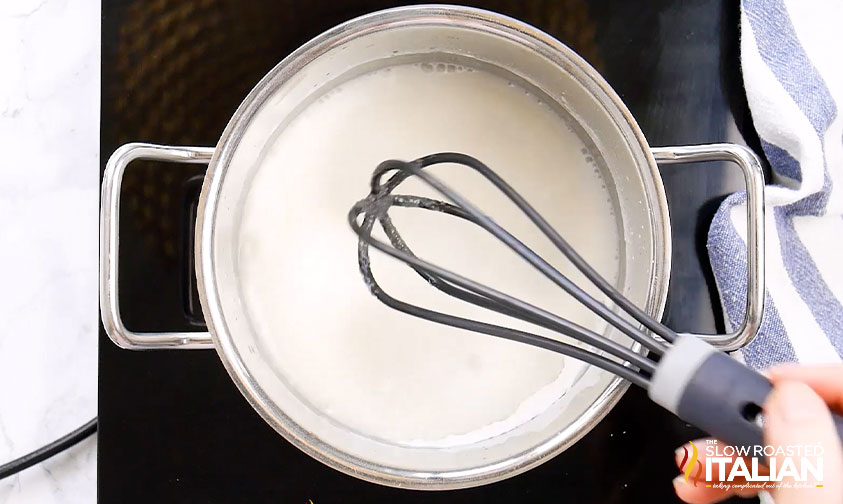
(795, 413)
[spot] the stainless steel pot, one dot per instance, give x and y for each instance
(367, 42)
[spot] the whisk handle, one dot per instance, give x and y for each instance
(716, 393)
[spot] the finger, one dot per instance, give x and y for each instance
(794, 415)
(827, 381)
(705, 495)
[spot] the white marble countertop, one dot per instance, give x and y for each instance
(49, 184)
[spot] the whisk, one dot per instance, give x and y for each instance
(682, 373)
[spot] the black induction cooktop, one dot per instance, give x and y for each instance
(172, 426)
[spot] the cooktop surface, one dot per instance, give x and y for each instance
(173, 427)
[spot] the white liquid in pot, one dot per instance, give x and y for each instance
(378, 371)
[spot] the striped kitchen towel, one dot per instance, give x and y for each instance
(793, 72)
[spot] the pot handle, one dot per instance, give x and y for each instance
(754, 179)
(110, 242)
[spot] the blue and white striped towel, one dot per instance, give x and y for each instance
(793, 72)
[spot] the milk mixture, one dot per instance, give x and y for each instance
(377, 371)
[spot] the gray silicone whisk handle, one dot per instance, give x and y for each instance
(716, 393)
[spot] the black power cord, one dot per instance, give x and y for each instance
(47, 451)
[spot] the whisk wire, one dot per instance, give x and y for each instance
(561, 244)
(375, 208)
(440, 283)
(535, 315)
(619, 351)
(549, 231)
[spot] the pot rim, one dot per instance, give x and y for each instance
(207, 210)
